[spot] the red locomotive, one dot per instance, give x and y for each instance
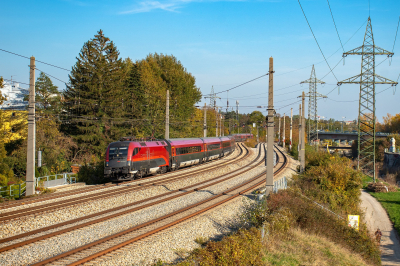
(129, 159)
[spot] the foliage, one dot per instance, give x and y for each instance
(47, 96)
(241, 248)
(391, 124)
(6, 174)
(294, 151)
(55, 146)
(95, 91)
(147, 85)
(312, 219)
(92, 174)
(330, 180)
(391, 202)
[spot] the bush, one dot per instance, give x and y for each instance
(92, 174)
(315, 220)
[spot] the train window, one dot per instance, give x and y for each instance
(186, 150)
(214, 146)
(118, 152)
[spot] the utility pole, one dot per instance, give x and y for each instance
(343, 117)
(284, 134)
(216, 122)
(237, 116)
(366, 108)
(167, 118)
(303, 139)
(270, 127)
(279, 131)
(312, 105)
(205, 120)
(30, 158)
(291, 126)
(300, 140)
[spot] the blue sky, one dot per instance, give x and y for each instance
(222, 43)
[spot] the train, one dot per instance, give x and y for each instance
(130, 159)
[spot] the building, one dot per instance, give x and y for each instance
(15, 96)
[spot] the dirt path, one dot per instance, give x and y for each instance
(376, 217)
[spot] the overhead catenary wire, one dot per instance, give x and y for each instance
(51, 76)
(35, 60)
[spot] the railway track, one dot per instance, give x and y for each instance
(26, 201)
(166, 196)
(105, 194)
(111, 243)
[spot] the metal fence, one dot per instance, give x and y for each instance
(55, 180)
(19, 190)
(15, 191)
(280, 184)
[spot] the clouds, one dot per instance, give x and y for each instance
(168, 5)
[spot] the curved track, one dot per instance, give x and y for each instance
(104, 194)
(108, 244)
(169, 195)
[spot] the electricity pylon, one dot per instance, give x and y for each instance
(366, 109)
(312, 105)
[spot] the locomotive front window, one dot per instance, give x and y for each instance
(118, 152)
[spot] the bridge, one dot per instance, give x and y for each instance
(348, 136)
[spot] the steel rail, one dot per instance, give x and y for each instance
(7, 205)
(6, 248)
(101, 253)
(101, 195)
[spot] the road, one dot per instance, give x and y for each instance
(376, 217)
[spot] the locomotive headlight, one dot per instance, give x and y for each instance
(129, 163)
(106, 163)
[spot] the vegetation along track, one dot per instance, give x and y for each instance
(180, 192)
(108, 244)
(104, 194)
(26, 201)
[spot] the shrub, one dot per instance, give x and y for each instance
(92, 174)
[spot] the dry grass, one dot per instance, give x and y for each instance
(308, 249)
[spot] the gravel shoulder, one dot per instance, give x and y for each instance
(175, 243)
(376, 217)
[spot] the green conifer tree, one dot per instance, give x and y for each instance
(94, 97)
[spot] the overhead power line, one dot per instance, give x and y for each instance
(35, 60)
(335, 25)
(15, 81)
(51, 76)
(315, 38)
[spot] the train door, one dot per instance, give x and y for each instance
(173, 154)
(205, 152)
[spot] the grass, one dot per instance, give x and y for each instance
(305, 248)
(390, 201)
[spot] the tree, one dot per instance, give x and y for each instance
(47, 96)
(95, 95)
(147, 85)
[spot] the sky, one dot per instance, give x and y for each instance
(222, 43)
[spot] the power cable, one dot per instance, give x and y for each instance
(238, 85)
(316, 40)
(52, 76)
(335, 25)
(16, 81)
(35, 60)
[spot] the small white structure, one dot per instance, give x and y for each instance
(392, 145)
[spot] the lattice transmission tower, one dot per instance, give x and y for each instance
(366, 110)
(313, 106)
